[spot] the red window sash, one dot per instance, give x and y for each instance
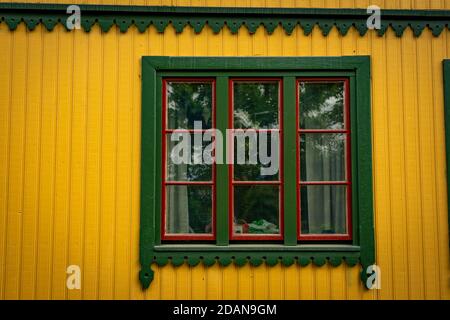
(166, 131)
(279, 183)
(346, 130)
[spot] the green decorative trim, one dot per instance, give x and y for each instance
(446, 68)
(217, 18)
(361, 251)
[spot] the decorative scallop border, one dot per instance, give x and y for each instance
(106, 16)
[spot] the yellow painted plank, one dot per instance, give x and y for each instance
(47, 167)
(168, 282)
(306, 283)
(214, 42)
(261, 282)
(427, 166)
(31, 167)
(412, 167)
(108, 166)
(291, 279)
(244, 42)
(183, 285)
(338, 283)
(93, 165)
(276, 282)
(230, 278)
(245, 282)
(123, 172)
(63, 163)
(15, 165)
(154, 291)
(396, 166)
(78, 156)
(381, 174)
(5, 105)
(170, 43)
(354, 284)
(198, 275)
(322, 282)
(229, 47)
(259, 41)
(185, 41)
(319, 43)
(214, 283)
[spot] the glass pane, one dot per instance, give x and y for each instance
(185, 161)
(256, 158)
(321, 105)
(323, 209)
(188, 209)
(255, 105)
(189, 102)
(322, 157)
(256, 209)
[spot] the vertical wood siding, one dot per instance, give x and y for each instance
(70, 159)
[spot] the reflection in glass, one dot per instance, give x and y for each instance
(255, 105)
(188, 209)
(323, 209)
(256, 209)
(189, 102)
(263, 154)
(322, 157)
(193, 170)
(321, 105)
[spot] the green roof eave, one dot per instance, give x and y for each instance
(217, 18)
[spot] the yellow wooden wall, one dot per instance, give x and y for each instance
(70, 160)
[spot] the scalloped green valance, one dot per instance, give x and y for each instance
(218, 17)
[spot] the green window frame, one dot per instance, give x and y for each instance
(360, 250)
(446, 71)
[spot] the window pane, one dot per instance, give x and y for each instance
(321, 105)
(323, 209)
(189, 102)
(255, 105)
(322, 157)
(261, 156)
(188, 209)
(256, 209)
(185, 161)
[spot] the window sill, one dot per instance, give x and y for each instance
(255, 247)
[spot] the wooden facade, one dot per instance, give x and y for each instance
(70, 145)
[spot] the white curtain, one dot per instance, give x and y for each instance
(326, 204)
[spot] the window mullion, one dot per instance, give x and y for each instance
(289, 138)
(222, 203)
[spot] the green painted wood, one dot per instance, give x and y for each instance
(446, 67)
(361, 250)
(217, 18)
(148, 178)
(363, 158)
(222, 169)
(289, 136)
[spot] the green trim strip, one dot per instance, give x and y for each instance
(446, 67)
(361, 250)
(217, 17)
